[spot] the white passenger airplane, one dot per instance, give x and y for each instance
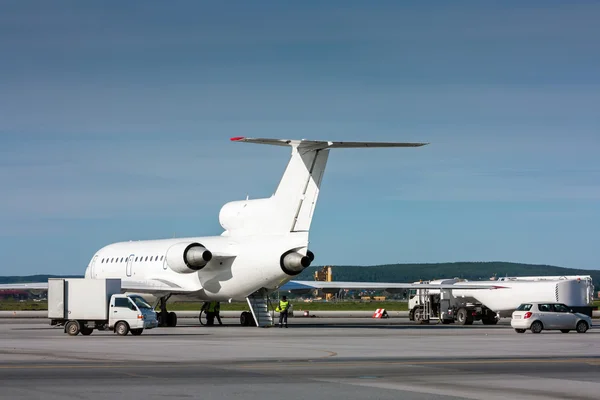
(264, 245)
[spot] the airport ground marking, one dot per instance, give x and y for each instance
(340, 363)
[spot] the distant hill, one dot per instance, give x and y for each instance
(406, 272)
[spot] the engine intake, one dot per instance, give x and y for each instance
(293, 263)
(186, 258)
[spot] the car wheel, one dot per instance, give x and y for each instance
(536, 327)
(565, 330)
(582, 327)
(520, 330)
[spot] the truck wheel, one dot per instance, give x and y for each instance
(122, 328)
(86, 331)
(461, 316)
(72, 328)
(136, 332)
(489, 319)
(537, 327)
(582, 327)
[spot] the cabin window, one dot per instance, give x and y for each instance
(161, 258)
(136, 259)
(146, 258)
(121, 259)
(102, 261)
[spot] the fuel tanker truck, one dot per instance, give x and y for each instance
(464, 306)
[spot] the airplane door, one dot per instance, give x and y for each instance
(93, 267)
(129, 266)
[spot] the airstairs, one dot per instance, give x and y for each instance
(259, 303)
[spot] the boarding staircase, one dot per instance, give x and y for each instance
(259, 303)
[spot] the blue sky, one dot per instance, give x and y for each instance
(115, 119)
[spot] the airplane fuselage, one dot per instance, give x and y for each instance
(240, 267)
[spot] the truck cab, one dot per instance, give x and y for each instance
(130, 313)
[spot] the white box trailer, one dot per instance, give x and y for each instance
(488, 305)
(82, 305)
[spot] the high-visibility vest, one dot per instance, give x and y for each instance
(283, 305)
(212, 306)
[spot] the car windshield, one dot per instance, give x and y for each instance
(140, 302)
(524, 307)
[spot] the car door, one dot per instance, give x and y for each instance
(564, 318)
(547, 316)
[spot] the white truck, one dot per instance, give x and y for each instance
(504, 296)
(82, 305)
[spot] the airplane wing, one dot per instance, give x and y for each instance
(25, 286)
(151, 286)
(307, 285)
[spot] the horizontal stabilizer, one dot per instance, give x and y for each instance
(317, 144)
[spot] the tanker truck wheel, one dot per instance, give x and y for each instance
(462, 316)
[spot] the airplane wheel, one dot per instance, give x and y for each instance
(171, 319)
(246, 319)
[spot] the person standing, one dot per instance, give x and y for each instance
(218, 312)
(283, 308)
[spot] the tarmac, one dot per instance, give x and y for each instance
(345, 358)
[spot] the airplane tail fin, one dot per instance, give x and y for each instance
(292, 206)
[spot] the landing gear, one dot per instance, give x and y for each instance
(246, 319)
(166, 318)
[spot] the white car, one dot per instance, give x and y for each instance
(549, 316)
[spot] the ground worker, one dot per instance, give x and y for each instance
(283, 308)
(212, 310)
(218, 312)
